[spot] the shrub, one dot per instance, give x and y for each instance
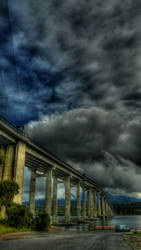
(19, 216)
(8, 189)
(3, 221)
(42, 221)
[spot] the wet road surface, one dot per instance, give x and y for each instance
(67, 241)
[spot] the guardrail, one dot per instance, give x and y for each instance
(19, 130)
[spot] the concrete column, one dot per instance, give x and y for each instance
(2, 165)
(106, 209)
(103, 206)
(94, 204)
(67, 199)
(9, 160)
(48, 192)
(89, 203)
(55, 203)
(32, 191)
(99, 204)
(19, 164)
(1, 171)
(78, 202)
(84, 203)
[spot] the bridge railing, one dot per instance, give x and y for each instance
(19, 130)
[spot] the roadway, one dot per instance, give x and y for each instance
(66, 241)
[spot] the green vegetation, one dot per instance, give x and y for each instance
(19, 216)
(133, 240)
(4, 229)
(8, 189)
(42, 221)
(129, 244)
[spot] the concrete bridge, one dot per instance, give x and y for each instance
(21, 151)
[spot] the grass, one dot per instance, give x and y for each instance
(129, 244)
(6, 229)
(133, 240)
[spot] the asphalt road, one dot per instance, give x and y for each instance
(67, 241)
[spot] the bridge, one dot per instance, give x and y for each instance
(22, 151)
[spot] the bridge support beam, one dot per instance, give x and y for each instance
(89, 203)
(19, 169)
(9, 160)
(78, 202)
(94, 204)
(32, 191)
(84, 203)
(67, 199)
(48, 192)
(98, 204)
(55, 203)
(103, 206)
(106, 209)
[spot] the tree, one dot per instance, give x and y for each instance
(8, 189)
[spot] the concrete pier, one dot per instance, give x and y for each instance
(103, 206)
(89, 203)
(94, 204)
(9, 160)
(84, 203)
(48, 192)
(98, 204)
(78, 202)
(67, 199)
(55, 203)
(32, 191)
(19, 164)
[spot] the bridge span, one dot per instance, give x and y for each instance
(22, 151)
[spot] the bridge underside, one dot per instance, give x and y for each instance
(21, 151)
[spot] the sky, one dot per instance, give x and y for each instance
(70, 71)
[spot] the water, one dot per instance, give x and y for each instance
(132, 221)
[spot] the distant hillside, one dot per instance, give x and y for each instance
(113, 199)
(122, 199)
(41, 202)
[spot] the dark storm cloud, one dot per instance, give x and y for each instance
(93, 47)
(99, 45)
(95, 142)
(79, 135)
(85, 57)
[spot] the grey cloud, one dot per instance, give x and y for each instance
(95, 142)
(81, 134)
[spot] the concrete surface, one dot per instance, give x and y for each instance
(67, 241)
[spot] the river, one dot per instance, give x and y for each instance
(132, 221)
